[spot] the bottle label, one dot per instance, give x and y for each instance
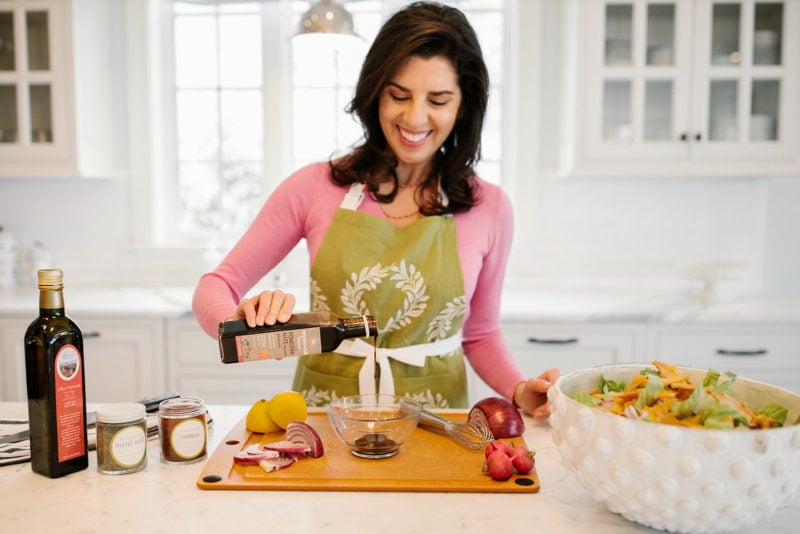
(279, 344)
(70, 411)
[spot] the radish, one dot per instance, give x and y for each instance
(496, 445)
(499, 465)
(522, 459)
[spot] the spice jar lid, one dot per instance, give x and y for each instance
(120, 412)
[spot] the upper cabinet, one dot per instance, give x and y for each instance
(48, 127)
(685, 87)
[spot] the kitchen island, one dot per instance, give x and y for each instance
(165, 498)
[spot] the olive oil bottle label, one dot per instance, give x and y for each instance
(69, 403)
(277, 345)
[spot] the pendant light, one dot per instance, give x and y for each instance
(326, 16)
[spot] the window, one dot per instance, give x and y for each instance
(250, 104)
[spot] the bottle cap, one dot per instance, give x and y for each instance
(122, 412)
(51, 278)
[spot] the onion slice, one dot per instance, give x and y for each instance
(303, 433)
(499, 416)
(251, 456)
(287, 447)
(281, 461)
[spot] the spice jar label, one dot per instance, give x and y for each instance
(128, 446)
(188, 438)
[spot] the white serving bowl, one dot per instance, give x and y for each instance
(676, 478)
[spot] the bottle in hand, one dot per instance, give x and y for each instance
(56, 384)
(305, 333)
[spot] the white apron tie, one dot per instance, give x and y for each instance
(412, 355)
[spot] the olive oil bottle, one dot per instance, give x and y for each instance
(312, 332)
(56, 384)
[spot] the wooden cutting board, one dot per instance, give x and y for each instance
(427, 462)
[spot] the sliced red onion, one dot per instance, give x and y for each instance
(287, 447)
(303, 433)
(282, 461)
(248, 457)
(499, 416)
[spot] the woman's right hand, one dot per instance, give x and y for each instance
(268, 307)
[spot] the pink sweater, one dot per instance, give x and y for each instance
(303, 206)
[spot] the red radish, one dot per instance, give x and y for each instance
(493, 446)
(499, 416)
(499, 465)
(299, 432)
(522, 459)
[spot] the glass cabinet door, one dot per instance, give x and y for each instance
(25, 78)
(639, 72)
(746, 71)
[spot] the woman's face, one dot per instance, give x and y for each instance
(418, 109)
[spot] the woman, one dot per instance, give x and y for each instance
(400, 228)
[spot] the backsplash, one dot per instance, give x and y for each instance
(634, 232)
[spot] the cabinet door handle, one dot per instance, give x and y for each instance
(753, 352)
(553, 341)
(87, 335)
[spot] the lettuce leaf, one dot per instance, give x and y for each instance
(586, 399)
(688, 407)
(649, 393)
(717, 414)
(607, 386)
(774, 411)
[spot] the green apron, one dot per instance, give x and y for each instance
(410, 279)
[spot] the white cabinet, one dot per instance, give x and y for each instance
(57, 112)
(124, 358)
(766, 353)
(566, 346)
(195, 369)
(12, 359)
(686, 87)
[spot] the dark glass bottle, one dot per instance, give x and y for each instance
(305, 333)
(56, 384)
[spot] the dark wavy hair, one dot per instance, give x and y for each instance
(424, 29)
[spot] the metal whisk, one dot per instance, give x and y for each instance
(471, 435)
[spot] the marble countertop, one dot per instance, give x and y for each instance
(165, 498)
(546, 305)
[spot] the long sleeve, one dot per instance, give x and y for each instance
(485, 236)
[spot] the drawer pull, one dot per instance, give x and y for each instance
(553, 341)
(754, 352)
(87, 335)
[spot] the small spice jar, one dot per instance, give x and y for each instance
(121, 438)
(182, 430)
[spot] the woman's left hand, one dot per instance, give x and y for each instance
(531, 395)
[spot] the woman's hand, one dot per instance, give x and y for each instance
(268, 307)
(531, 394)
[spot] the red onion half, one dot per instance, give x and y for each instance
(303, 433)
(499, 415)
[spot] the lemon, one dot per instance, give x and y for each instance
(258, 419)
(287, 407)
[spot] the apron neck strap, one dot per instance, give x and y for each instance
(354, 196)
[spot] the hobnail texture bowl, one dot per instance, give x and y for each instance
(374, 426)
(673, 478)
